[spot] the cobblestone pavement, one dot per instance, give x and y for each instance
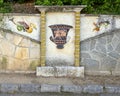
(56, 94)
(53, 88)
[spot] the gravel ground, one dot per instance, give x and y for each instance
(32, 78)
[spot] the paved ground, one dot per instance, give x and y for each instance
(23, 84)
(31, 78)
(57, 94)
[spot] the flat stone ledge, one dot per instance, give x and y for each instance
(100, 73)
(60, 8)
(116, 73)
(64, 71)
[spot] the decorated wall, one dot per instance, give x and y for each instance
(28, 26)
(100, 43)
(60, 32)
(19, 42)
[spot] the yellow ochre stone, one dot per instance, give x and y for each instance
(77, 39)
(22, 53)
(43, 40)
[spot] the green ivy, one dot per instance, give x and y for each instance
(1, 1)
(93, 6)
(5, 7)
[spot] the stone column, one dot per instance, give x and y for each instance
(42, 36)
(77, 37)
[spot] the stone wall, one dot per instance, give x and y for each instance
(100, 47)
(100, 44)
(101, 54)
(18, 53)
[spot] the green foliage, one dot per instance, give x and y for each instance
(102, 6)
(5, 7)
(93, 6)
(1, 1)
(49, 2)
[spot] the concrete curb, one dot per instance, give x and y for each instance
(42, 88)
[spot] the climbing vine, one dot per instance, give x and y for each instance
(93, 6)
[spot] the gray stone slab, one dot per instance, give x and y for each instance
(114, 55)
(30, 88)
(95, 54)
(92, 44)
(75, 72)
(108, 64)
(60, 71)
(115, 42)
(118, 48)
(50, 88)
(9, 88)
(100, 73)
(116, 73)
(91, 64)
(102, 40)
(93, 89)
(71, 88)
(109, 48)
(45, 71)
(101, 48)
(109, 38)
(85, 55)
(109, 94)
(112, 89)
(85, 46)
(57, 71)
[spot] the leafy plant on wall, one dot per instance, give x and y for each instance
(93, 6)
(24, 26)
(99, 24)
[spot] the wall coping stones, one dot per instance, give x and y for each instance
(102, 34)
(11, 32)
(18, 14)
(60, 8)
(48, 88)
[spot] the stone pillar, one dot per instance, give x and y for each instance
(77, 37)
(42, 37)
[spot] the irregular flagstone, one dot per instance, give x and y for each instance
(7, 48)
(22, 53)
